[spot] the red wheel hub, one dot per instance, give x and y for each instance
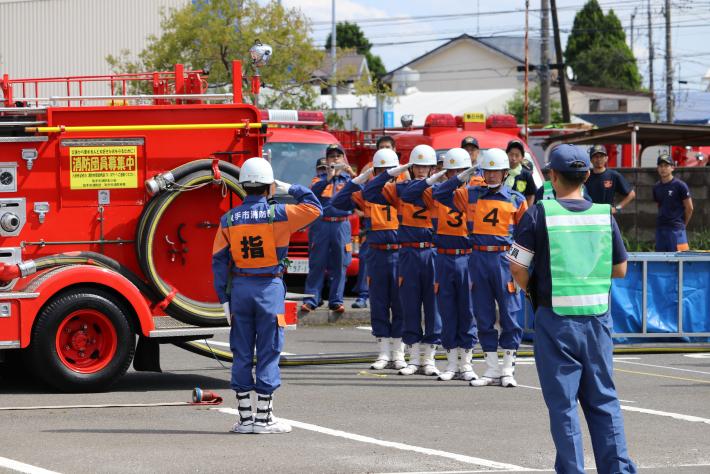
(86, 341)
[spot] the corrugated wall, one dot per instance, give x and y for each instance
(42, 38)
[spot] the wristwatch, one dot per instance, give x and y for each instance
(618, 208)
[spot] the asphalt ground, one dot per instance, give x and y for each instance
(346, 418)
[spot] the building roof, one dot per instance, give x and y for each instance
(606, 90)
(354, 64)
(607, 120)
(512, 47)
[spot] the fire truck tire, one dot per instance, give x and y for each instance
(82, 341)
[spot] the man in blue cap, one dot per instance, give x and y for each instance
(574, 249)
(675, 207)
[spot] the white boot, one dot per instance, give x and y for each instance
(246, 417)
(452, 364)
(428, 363)
(383, 359)
(465, 367)
(492, 374)
(415, 360)
(397, 353)
(508, 371)
(265, 423)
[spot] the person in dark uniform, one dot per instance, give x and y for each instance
(470, 144)
(675, 207)
(519, 178)
(604, 184)
(571, 249)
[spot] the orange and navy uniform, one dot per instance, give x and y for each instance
(416, 269)
(494, 214)
(253, 238)
(381, 220)
(325, 190)
(382, 224)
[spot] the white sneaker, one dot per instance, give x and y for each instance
(452, 363)
(428, 364)
(492, 374)
(383, 359)
(466, 367)
(265, 423)
(414, 360)
(243, 427)
(397, 346)
(508, 381)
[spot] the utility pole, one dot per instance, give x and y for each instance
(669, 66)
(334, 69)
(560, 64)
(527, 65)
(650, 59)
(544, 63)
(633, 16)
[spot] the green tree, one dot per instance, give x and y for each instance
(350, 36)
(211, 33)
(515, 107)
(597, 50)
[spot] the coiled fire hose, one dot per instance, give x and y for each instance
(166, 188)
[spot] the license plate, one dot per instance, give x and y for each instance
(298, 266)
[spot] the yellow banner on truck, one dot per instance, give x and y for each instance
(103, 167)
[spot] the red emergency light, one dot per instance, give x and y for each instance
(501, 121)
(440, 120)
(293, 117)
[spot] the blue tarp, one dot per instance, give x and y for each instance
(661, 302)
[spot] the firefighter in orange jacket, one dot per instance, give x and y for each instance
(493, 212)
(382, 257)
(453, 279)
(250, 248)
(416, 261)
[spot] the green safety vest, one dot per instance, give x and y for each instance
(547, 191)
(580, 258)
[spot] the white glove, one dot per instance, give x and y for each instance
(281, 187)
(364, 176)
(464, 176)
(433, 179)
(396, 171)
(227, 313)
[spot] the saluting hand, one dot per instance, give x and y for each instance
(464, 176)
(397, 170)
(363, 177)
(433, 179)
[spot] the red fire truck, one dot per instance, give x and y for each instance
(444, 131)
(108, 209)
(295, 140)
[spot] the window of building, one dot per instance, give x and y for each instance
(607, 105)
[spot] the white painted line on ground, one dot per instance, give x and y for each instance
(538, 388)
(664, 367)
(364, 328)
(702, 355)
(391, 444)
(659, 466)
(677, 416)
(226, 344)
(627, 358)
(22, 467)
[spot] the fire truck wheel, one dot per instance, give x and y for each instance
(82, 341)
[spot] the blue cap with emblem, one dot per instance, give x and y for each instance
(334, 148)
(597, 149)
(469, 141)
(569, 158)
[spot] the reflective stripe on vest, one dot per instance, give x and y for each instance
(580, 258)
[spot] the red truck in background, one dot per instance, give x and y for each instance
(295, 141)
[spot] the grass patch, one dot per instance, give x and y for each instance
(698, 239)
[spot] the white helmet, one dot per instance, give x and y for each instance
(385, 158)
(255, 172)
(494, 159)
(456, 159)
(423, 155)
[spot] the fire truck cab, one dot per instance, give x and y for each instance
(295, 141)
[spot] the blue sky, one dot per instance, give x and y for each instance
(404, 29)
